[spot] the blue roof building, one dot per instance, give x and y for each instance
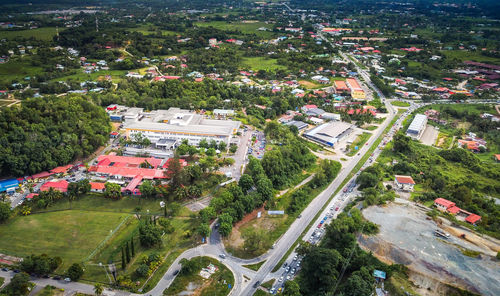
(8, 185)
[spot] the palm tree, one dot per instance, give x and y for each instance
(98, 289)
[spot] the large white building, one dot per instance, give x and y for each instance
(178, 124)
(417, 126)
(329, 133)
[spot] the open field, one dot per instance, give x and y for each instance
(71, 235)
(310, 84)
(262, 63)
(194, 284)
(246, 28)
(50, 291)
(463, 55)
(17, 69)
(46, 33)
(400, 104)
(150, 29)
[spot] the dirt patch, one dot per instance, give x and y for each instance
(308, 84)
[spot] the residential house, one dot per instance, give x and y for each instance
(404, 183)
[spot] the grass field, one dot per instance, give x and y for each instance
(246, 28)
(46, 33)
(194, 284)
(116, 75)
(310, 84)
(149, 29)
(400, 104)
(262, 63)
(464, 55)
(71, 235)
(17, 69)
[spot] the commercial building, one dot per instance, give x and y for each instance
(356, 91)
(178, 125)
(329, 133)
(61, 186)
(9, 185)
(341, 86)
(417, 126)
(299, 124)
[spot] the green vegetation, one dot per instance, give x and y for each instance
(255, 266)
(216, 284)
(64, 128)
(246, 28)
(260, 293)
(261, 63)
(269, 284)
(71, 235)
(50, 291)
(358, 142)
(400, 104)
(470, 253)
(2, 280)
(476, 56)
(45, 33)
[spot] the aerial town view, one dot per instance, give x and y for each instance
(249, 148)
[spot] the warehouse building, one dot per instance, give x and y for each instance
(329, 133)
(9, 185)
(177, 125)
(417, 126)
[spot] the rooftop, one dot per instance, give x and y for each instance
(444, 202)
(404, 179)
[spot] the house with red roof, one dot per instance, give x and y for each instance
(61, 169)
(61, 186)
(450, 207)
(404, 183)
(97, 187)
(473, 219)
(497, 157)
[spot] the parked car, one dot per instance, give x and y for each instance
(256, 284)
(222, 256)
(67, 280)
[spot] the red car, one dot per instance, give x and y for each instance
(337, 208)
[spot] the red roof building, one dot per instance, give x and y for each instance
(31, 195)
(127, 161)
(61, 186)
(497, 157)
(42, 175)
(443, 204)
(61, 169)
(453, 210)
(404, 183)
(97, 187)
(473, 219)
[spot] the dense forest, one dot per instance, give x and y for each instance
(43, 133)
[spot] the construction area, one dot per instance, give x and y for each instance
(435, 252)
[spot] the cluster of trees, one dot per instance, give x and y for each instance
(150, 233)
(382, 86)
(40, 264)
(338, 266)
(5, 211)
(128, 252)
(43, 133)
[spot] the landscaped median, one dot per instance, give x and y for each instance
(202, 276)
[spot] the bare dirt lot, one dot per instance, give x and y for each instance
(429, 136)
(407, 237)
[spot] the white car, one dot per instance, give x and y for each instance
(280, 279)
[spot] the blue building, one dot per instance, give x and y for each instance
(8, 185)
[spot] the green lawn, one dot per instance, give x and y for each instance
(262, 63)
(216, 284)
(2, 280)
(149, 29)
(50, 291)
(71, 235)
(400, 104)
(46, 33)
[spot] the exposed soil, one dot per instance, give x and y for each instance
(407, 237)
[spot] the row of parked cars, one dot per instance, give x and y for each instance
(46, 276)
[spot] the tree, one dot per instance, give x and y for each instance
(204, 230)
(124, 263)
(75, 271)
(113, 190)
(319, 270)
(291, 289)
(98, 289)
(245, 182)
(207, 214)
(132, 249)
(142, 270)
(210, 152)
(5, 211)
(150, 235)
(175, 173)
(147, 189)
(194, 191)
(233, 148)
(189, 267)
(127, 252)
(18, 286)
(366, 179)
(256, 241)
(264, 187)
(225, 229)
